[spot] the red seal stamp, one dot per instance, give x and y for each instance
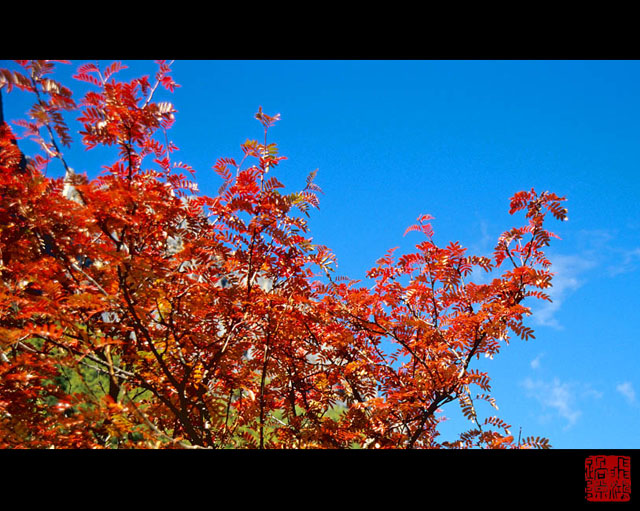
(607, 478)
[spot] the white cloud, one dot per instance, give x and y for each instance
(627, 261)
(567, 270)
(535, 363)
(560, 399)
(557, 396)
(627, 390)
(595, 249)
(600, 245)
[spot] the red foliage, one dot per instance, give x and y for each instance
(135, 312)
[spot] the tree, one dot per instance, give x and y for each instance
(137, 312)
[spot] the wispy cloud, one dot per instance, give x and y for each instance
(627, 390)
(594, 249)
(604, 246)
(535, 363)
(559, 398)
(568, 277)
(626, 262)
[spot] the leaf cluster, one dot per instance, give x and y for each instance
(137, 312)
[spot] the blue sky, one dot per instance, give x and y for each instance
(456, 139)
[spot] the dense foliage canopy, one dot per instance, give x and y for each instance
(137, 312)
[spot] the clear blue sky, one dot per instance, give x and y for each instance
(455, 139)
